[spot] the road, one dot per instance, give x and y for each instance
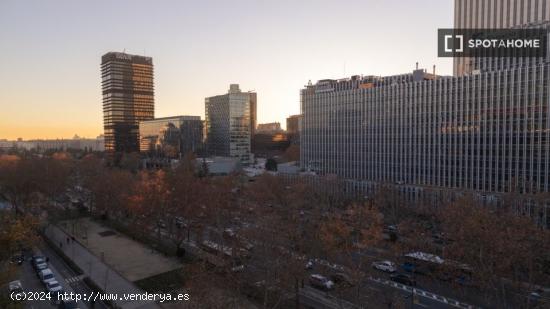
(320, 299)
(31, 283)
(70, 277)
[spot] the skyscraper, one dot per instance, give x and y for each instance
(128, 98)
(495, 14)
(230, 123)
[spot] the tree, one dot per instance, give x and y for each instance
(504, 250)
(345, 234)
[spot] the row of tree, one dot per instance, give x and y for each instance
(292, 220)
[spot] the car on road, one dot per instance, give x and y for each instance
(16, 287)
(342, 279)
(46, 276)
(410, 267)
(386, 266)
(321, 282)
(403, 279)
(180, 223)
(238, 268)
(161, 224)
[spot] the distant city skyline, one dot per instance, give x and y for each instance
(51, 50)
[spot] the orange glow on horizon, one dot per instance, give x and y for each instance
(11, 132)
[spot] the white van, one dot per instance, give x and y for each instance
(46, 275)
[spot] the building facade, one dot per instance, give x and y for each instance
(171, 137)
(271, 127)
(293, 128)
(128, 98)
(75, 143)
(293, 124)
(230, 124)
(495, 14)
(487, 132)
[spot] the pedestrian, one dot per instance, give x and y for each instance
(67, 240)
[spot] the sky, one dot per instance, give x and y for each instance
(50, 53)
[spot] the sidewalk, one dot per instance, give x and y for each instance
(100, 273)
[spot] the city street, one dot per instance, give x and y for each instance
(64, 275)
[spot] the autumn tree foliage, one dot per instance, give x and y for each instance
(506, 251)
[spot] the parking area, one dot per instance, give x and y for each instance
(31, 283)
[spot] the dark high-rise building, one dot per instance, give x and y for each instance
(128, 98)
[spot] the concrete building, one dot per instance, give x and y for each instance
(293, 124)
(488, 132)
(171, 137)
(272, 127)
(230, 124)
(75, 143)
(128, 98)
(495, 14)
(293, 128)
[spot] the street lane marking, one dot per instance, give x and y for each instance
(439, 298)
(75, 279)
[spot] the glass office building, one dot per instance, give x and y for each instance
(171, 137)
(230, 124)
(128, 98)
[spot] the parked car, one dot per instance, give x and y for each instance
(403, 279)
(386, 266)
(54, 286)
(342, 278)
(40, 267)
(37, 259)
(68, 304)
(409, 267)
(321, 282)
(46, 275)
(16, 287)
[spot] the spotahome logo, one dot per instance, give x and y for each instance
(492, 42)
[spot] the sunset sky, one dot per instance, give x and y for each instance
(50, 85)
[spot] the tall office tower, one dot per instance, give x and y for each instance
(128, 98)
(495, 14)
(230, 123)
(171, 137)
